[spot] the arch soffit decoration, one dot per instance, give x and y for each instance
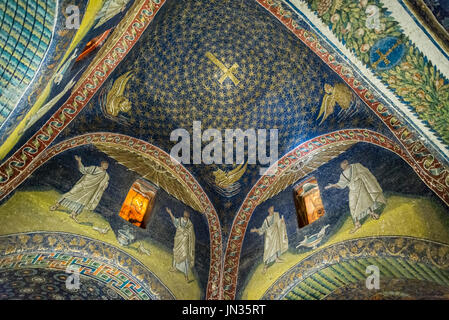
(58, 250)
(191, 193)
(129, 31)
(127, 34)
(296, 164)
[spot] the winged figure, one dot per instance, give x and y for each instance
(109, 10)
(226, 179)
(339, 93)
(115, 101)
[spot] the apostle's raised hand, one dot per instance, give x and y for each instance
(77, 158)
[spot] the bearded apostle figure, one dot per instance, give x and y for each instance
(87, 192)
(184, 246)
(275, 238)
(365, 194)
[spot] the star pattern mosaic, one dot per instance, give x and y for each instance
(228, 64)
(47, 284)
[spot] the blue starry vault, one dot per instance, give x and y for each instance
(228, 64)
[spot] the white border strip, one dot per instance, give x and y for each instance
(367, 74)
(417, 36)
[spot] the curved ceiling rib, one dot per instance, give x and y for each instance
(360, 252)
(26, 30)
(121, 42)
(151, 162)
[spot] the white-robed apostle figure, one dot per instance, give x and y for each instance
(184, 246)
(275, 234)
(365, 194)
(87, 192)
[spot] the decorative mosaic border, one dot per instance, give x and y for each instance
(425, 15)
(412, 249)
(127, 34)
(95, 259)
(178, 170)
(290, 160)
(418, 82)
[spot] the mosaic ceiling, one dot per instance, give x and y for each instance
(175, 80)
(339, 81)
(26, 32)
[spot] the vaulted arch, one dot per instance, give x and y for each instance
(184, 68)
(296, 164)
(189, 191)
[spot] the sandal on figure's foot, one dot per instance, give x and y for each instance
(356, 227)
(73, 216)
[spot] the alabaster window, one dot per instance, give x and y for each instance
(308, 203)
(139, 203)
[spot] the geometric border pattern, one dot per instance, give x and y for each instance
(420, 81)
(125, 36)
(114, 278)
(414, 250)
(94, 259)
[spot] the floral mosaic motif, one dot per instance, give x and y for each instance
(422, 86)
(360, 25)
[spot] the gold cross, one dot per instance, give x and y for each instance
(383, 57)
(228, 72)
